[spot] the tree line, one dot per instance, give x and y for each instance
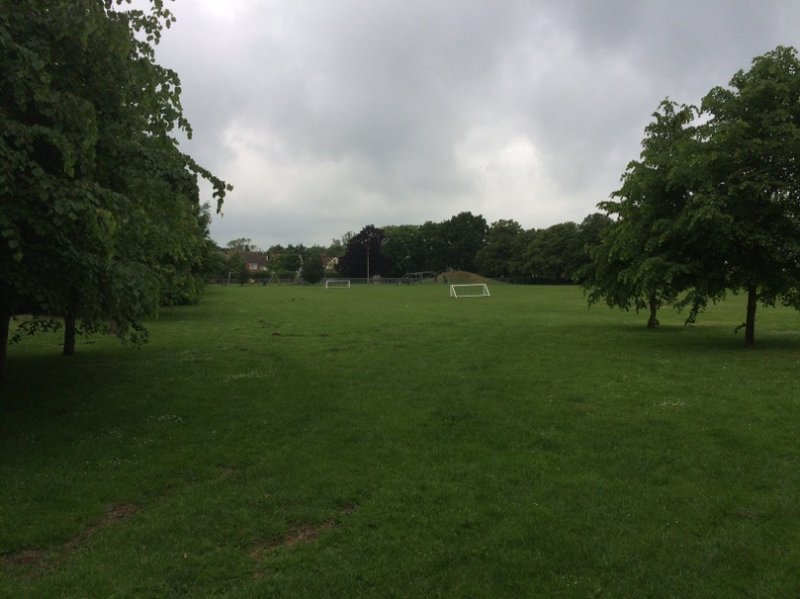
(556, 254)
(504, 249)
(100, 213)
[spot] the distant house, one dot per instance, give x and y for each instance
(255, 261)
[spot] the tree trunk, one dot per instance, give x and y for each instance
(69, 334)
(652, 322)
(5, 324)
(750, 323)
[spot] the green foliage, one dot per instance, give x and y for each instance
(336, 248)
(501, 256)
(291, 260)
(242, 244)
(364, 254)
(458, 241)
(214, 262)
(313, 270)
(404, 248)
(642, 260)
(431, 246)
(555, 253)
(235, 267)
(711, 207)
(100, 216)
(750, 186)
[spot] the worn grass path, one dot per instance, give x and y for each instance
(391, 442)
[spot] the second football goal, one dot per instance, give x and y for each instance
(470, 290)
(337, 283)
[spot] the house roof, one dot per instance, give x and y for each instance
(256, 258)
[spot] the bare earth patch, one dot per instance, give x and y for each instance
(41, 560)
(27, 558)
(115, 514)
(304, 533)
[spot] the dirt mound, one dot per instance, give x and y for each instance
(461, 277)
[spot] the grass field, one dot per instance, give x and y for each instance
(388, 441)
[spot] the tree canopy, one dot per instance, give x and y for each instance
(100, 218)
(639, 261)
(313, 271)
(501, 255)
(242, 244)
(363, 257)
(714, 206)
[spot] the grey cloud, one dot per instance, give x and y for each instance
(333, 115)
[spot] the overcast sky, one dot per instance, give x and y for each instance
(330, 115)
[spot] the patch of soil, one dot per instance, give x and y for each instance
(40, 560)
(27, 558)
(304, 533)
(460, 277)
(114, 514)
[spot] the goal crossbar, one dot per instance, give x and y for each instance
(337, 284)
(470, 290)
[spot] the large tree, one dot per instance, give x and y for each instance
(291, 260)
(501, 255)
(404, 248)
(433, 246)
(460, 239)
(313, 271)
(641, 261)
(554, 253)
(363, 257)
(96, 200)
(748, 204)
(590, 232)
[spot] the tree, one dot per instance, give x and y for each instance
(641, 260)
(590, 233)
(47, 137)
(337, 246)
(242, 244)
(291, 260)
(313, 271)
(235, 268)
(747, 210)
(404, 249)
(214, 262)
(92, 184)
(501, 256)
(364, 254)
(434, 246)
(555, 253)
(461, 237)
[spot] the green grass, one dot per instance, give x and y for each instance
(388, 441)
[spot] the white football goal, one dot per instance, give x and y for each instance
(337, 283)
(470, 290)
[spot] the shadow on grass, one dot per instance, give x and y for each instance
(697, 338)
(37, 378)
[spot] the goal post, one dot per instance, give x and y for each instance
(470, 290)
(337, 283)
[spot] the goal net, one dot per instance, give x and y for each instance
(337, 283)
(471, 290)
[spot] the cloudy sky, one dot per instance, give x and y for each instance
(328, 115)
